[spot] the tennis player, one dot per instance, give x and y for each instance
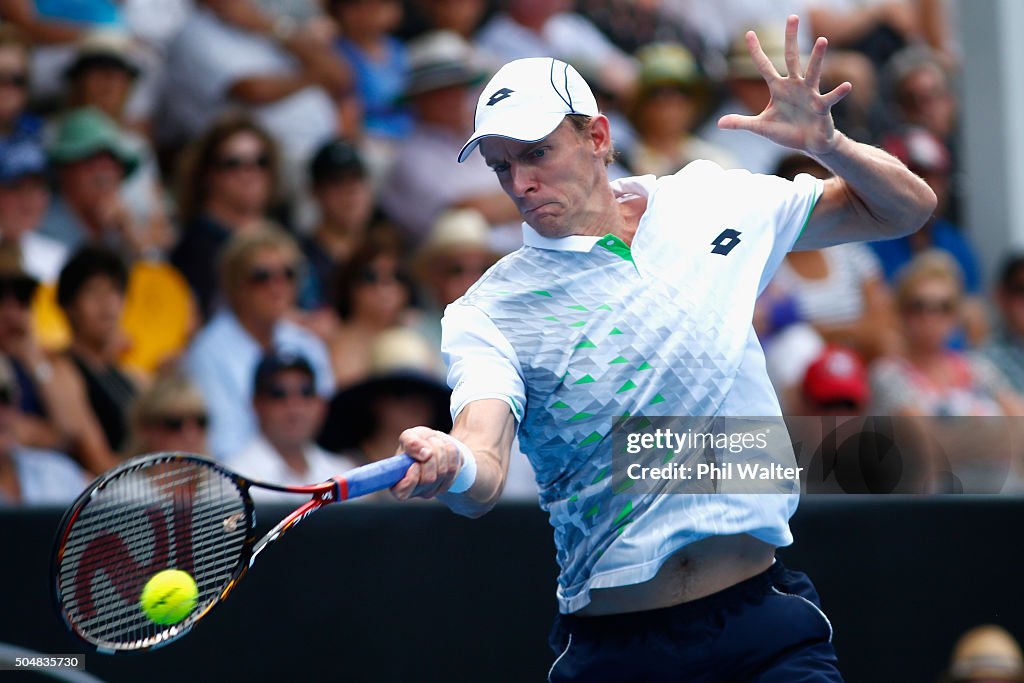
(635, 297)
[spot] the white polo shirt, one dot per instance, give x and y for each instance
(573, 332)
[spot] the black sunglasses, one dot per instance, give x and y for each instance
(17, 80)
(943, 306)
(175, 423)
(261, 276)
(374, 276)
(277, 392)
(22, 288)
(234, 163)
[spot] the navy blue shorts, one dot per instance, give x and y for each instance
(767, 629)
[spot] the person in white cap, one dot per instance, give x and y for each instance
(635, 298)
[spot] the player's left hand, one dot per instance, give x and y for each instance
(798, 115)
(437, 463)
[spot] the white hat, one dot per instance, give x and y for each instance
(441, 59)
(527, 99)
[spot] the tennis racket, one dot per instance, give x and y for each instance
(172, 511)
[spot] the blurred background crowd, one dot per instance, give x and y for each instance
(231, 227)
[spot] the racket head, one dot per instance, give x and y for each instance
(154, 512)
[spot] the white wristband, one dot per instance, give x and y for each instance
(467, 472)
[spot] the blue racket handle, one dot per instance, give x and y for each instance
(376, 476)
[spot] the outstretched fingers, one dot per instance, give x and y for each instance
(831, 98)
(816, 62)
(792, 48)
(761, 62)
(737, 122)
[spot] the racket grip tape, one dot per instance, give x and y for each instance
(376, 476)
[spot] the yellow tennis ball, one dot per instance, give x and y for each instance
(169, 596)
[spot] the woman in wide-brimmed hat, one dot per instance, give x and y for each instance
(402, 391)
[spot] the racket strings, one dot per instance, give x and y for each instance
(167, 514)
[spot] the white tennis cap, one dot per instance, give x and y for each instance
(527, 99)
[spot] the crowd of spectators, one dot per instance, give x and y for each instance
(226, 223)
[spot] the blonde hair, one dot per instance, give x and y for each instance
(242, 249)
(932, 264)
(171, 391)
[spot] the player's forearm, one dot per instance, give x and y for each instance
(486, 428)
(485, 491)
(880, 187)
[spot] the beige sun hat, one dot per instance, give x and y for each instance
(773, 41)
(987, 652)
(454, 230)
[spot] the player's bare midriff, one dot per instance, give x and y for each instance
(695, 571)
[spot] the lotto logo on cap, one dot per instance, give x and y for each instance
(527, 99)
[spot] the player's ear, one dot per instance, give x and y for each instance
(601, 135)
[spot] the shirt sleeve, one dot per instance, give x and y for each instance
(789, 204)
(481, 361)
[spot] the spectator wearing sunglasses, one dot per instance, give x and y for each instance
(929, 378)
(227, 182)
(15, 53)
(1005, 350)
(234, 53)
(169, 415)
(258, 272)
(290, 414)
(374, 293)
(30, 476)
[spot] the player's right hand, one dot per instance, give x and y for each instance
(437, 463)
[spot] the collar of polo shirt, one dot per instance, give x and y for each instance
(624, 188)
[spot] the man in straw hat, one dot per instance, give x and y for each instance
(635, 298)
(442, 72)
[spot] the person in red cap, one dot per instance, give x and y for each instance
(836, 383)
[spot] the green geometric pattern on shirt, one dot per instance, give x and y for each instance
(589, 336)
